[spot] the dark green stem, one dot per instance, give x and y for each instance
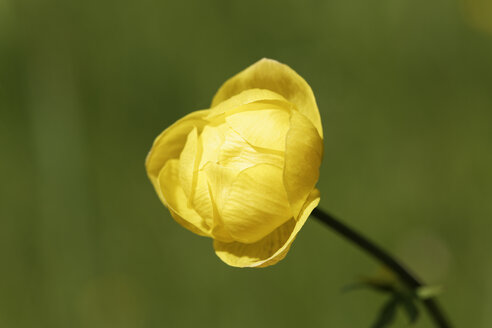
(385, 258)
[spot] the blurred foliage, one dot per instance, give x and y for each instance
(404, 88)
(398, 295)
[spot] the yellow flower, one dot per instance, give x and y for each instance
(244, 171)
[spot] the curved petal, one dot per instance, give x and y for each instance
(211, 140)
(265, 128)
(171, 141)
(194, 184)
(270, 249)
(256, 203)
(202, 201)
(174, 197)
(271, 75)
(237, 154)
(303, 154)
(245, 97)
(220, 179)
(187, 159)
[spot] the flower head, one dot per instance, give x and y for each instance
(244, 171)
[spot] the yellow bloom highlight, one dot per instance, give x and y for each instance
(244, 171)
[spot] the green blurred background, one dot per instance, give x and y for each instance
(405, 93)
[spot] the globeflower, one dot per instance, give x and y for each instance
(243, 172)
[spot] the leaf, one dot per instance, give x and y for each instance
(410, 308)
(380, 285)
(399, 295)
(387, 313)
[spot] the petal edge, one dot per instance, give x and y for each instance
(272, 75)
(270, 249)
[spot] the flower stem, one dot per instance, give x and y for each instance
(388, 260)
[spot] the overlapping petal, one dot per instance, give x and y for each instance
(237, 154)
(211, 140)
(173, 196)
(244, 171)
(256, 203)
(202, 201)
(220, 180)
(171, 141)
(246, 97)
(187, 159)
(270, 249)
(265, 128)
(271, 75)
(303, 154)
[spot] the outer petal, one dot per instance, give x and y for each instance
(187, 159)
(256, 203)
(194, 184)
(170, 143)
(174, 197)
(303, 153)
(245, 97)
(270, 249)
(271, 75)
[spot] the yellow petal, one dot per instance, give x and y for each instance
(271, 75)
(220, 180)
(270, 249)
(303, 153)
(237, 154)
(211, 140)
(187, 161)
(171, 141)
(174, 197)
(202, 201)
(245, 97)
(256, 203)
(265, 128)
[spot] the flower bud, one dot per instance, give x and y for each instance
(244, 171)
